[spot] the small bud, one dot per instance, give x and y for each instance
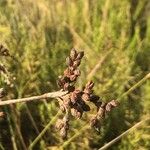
(93, 122)
(73, 78)
(80, 55)
(76, 63)
(63, 133)
(73, 54)
(101, 113)
(94, 98)
(77, 72)
(90, 85)
(59, 124)
(69, 62)
(86, 97)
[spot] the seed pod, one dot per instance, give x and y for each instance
(63, 133)
(77, 72)
(86, 97)
(59, 124)
(73, 54)
(76, 63)
(93, 122)
(85, 107)
(73, 78)
(110, 105)
(69, 61)
(94, 98)
(73, 97)
(80, 55)
(66, 86)
(71, 88)
(101, 113)
(62, 107)
(90, 85)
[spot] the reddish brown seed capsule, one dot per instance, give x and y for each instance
(63, 133)
(86, 97)
(73, 54)
(80, 55)
(69, 61)
(76, 63)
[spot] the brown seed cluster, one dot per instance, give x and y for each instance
(101, 113)
(75, 103)
(66, 82)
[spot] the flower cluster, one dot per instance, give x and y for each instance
(75, 103)
(101, 113)
(66, 82)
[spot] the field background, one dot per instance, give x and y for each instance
(115, 36)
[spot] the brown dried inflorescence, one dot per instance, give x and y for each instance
(75, 103)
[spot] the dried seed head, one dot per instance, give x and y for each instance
(63, 133)
(76, 63)
(77, 72)
(80, 55)
(73, 54)
(93, 122)
(69, 61)
(111, 105)
(90, 85)
(59, 124)
(101, 113)
(86, 97)
(94, 98)
(85, 107)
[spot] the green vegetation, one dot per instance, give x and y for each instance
(115, 36)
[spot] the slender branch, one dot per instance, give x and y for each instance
(123, 134)
(43, 96)
(135, 86)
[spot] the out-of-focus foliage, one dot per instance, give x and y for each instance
(114, 34)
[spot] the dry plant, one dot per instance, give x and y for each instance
(72, 100)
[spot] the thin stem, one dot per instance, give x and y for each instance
(135, 86)
(44, 96)
(44, 131)
(123, 134)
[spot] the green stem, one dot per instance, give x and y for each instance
(123, 134)
(43, 131)
(134, 86)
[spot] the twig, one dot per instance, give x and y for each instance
(123, 134)
(44, 96)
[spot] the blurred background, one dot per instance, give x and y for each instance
(115, 36)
